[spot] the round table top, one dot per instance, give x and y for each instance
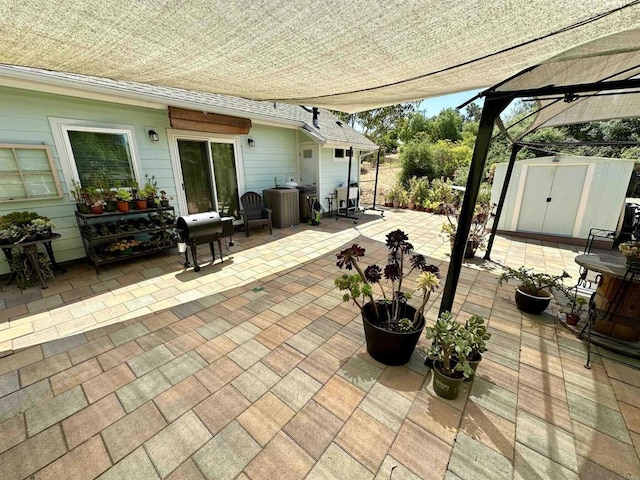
(54, 236)
(608, 264)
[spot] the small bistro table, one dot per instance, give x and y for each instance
(625, 322)
(30, 249)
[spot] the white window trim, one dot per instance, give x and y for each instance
(175, 135)
(59, 129)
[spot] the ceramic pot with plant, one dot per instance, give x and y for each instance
(535, 291)
(450, 348)
(392, 327)
(631, 251)
(478, 232)
(478, 337)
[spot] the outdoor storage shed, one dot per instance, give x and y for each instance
(563, 195)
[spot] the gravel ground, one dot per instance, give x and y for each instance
(387, 177)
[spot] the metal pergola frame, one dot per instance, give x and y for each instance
(494, 105)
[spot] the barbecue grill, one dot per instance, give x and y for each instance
(200, 228)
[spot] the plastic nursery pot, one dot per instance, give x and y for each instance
(530, 303)
(123, 206)
(474, 366)
(444, 386)
(82, 208)
(390, 348)
(141, 204)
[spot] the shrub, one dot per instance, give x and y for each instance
(417, 160)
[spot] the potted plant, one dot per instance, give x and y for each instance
(575, 307)
(16, 227)
(392, 327)
(110, 200)
(631, 251)
(150, 190)
(449, 352)
(42, 227)
(124, 197)
(535, 291)
(164, 200)
(140, 197)
(395, 195)
(478, 337)
(81, 196)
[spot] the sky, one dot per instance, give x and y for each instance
(435, 105)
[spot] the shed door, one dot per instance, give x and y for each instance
(308, 164)
(551, 199)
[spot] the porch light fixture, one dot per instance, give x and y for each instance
(153, 135)
(251, 142)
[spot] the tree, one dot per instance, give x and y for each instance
(415, 123)
(473, 111)
(447, 125)
(417, 159)
(379, 124)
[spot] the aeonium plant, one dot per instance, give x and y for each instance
(402, 262)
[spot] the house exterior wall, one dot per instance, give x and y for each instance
(335, 172)
(25, 119)
(275, 155)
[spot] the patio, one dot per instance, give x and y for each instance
(255, 369)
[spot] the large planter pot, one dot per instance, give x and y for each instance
(396, 204)
(390, 348)
(530, 303)
(446, 387)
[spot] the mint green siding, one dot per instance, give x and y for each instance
(275, 155)
(333, 173)
(24, 118)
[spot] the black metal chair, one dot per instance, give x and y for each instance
(606, 308)
(253, 212)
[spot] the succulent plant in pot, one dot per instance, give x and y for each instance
(478, 337)
(535, 291)
(392, 326)
(450, 350)
(575, 307)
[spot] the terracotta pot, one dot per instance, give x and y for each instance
(396, 203)
(141, 204)
(412, 206)
(123, 206)
(97, 210)
(572, 319)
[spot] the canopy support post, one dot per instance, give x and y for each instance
(491, 110)
(515, 148)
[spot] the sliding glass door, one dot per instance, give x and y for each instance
(210, 179)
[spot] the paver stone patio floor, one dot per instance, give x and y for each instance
(255, 369)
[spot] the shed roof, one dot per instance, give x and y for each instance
(348, 56)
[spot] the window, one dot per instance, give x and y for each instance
(27, 172)
(101, 157)
(339, 154)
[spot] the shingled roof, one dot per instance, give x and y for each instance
(330, 129)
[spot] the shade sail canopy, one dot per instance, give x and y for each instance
(613, 58)
(348, 56)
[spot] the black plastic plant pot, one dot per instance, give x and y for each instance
(444, 386)
(474, 366)
(390, 348)
(530, 303)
